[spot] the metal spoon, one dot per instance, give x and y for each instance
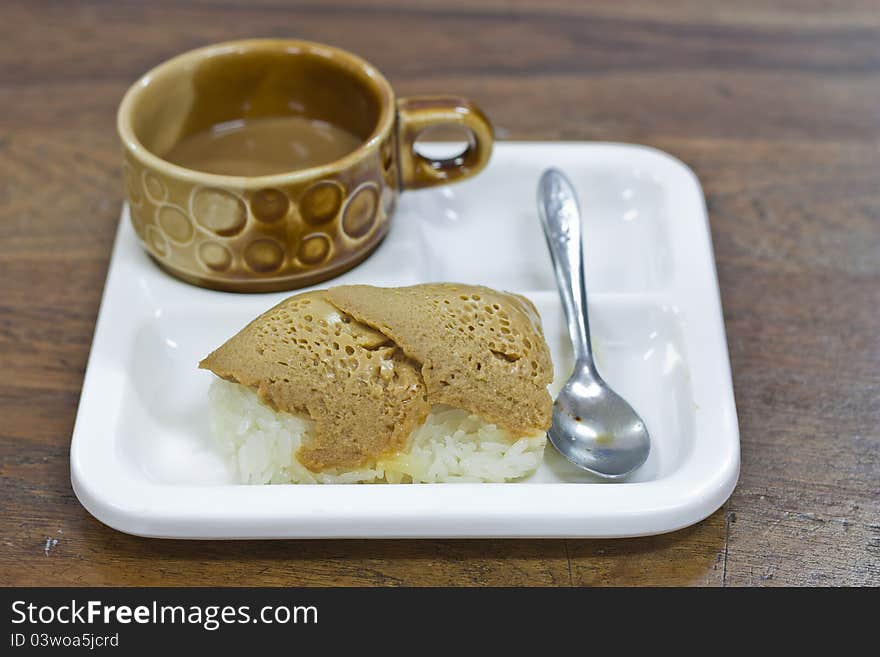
(593, 426)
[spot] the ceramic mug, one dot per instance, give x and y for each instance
(288, 230)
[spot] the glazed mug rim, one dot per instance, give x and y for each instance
(351, 62)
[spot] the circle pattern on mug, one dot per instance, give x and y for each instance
(155, 187)
(219, 211)
(175, 224)
(263, 255)
(360, 213)
(321, 202)
(269, 205)
(157, 240)
(215, 256)
(313, 249)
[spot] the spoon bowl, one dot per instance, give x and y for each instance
(593, 427)
(597, 430)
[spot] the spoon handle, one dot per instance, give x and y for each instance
(561, 220)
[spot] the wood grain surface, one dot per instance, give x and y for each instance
(775, 105)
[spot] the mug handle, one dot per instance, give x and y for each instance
(417, 113)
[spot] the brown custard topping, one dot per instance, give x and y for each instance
(366, 364)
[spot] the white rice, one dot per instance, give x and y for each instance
(450, 446)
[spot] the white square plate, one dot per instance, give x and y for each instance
(142, 456)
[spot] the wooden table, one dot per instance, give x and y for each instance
(776, 106)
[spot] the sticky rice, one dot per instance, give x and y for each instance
(451, 445)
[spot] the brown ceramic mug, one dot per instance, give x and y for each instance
(292, 229)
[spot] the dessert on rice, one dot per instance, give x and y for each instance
(429, 383)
